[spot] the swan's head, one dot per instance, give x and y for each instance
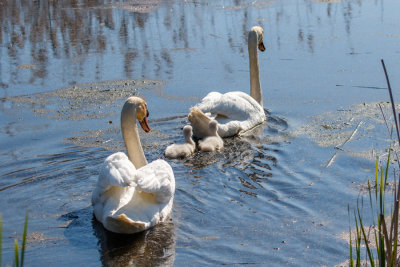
(140, 107)
(141, 115)
(259, 33)
(213, 126)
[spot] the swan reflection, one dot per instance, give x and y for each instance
(154, 247)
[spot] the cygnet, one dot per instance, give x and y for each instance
(212, 142)
(182, 150)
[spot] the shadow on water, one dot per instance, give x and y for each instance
(154, 247)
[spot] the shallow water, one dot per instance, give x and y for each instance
(277, 196)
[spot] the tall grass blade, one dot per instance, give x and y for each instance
(370, 256)
(381, 193)
(376, 177)
(395, 222)
(387, 167)
(351, 263)
(390, 131)
(24, 239)
(16, 260)
(358, 242)
(1, 238)
(391, 100)
(387, 241)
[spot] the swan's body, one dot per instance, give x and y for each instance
(131, 195)
(213, 142)
(235, 112)
(182, 150)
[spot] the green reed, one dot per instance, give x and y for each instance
(18, 256)
(1, 238)
(385, 234)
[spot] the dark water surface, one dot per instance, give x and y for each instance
(277, 196)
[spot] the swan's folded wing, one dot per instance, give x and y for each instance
(117, 170)
(234, 105)
(157, 178)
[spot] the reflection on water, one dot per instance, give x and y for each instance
(75, 35)
(266, 198)
(155, 247)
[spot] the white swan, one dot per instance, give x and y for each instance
(213, 142)
(235, 112)
(131, 195)
(182, 150)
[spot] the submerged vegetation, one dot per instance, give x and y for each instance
(384, 232)
(18, 255)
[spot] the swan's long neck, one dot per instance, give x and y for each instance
(255, 85)
(131, 137)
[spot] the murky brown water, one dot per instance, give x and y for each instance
(277, 196)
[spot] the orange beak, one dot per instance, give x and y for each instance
(145, 125)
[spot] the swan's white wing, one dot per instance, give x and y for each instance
(157, 178)
(115, 186)
(117, 170)
(235, 105)
(253, 114)
(234, 111)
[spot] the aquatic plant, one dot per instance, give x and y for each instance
(1, 238)
(18, 260)
(385, 235)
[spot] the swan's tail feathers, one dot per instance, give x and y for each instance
(123, 225)
(199, 122)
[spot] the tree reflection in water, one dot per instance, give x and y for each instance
(68, 38)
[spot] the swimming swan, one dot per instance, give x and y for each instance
(131, 196)
(213, 142)
(235, 112)
(182, 150)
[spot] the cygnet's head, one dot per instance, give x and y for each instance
(213, 126)
(187, 131)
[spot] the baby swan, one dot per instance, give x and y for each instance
(212, 142)
(182, 150)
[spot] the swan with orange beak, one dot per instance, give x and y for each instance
(132, 195)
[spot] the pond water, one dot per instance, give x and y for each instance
(276, 196)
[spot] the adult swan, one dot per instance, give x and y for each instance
(132, 195)
(235, 112)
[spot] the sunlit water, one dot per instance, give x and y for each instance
(276, 196)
